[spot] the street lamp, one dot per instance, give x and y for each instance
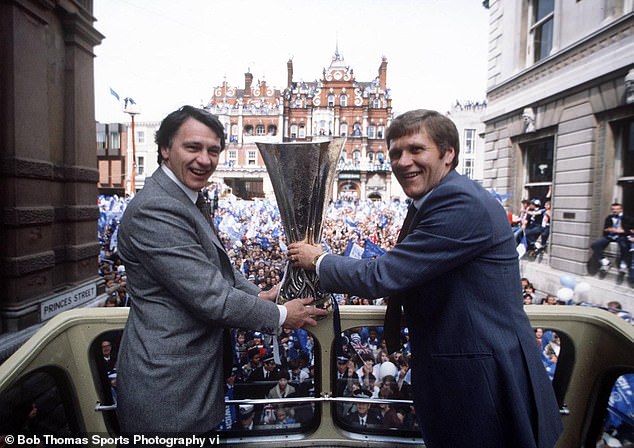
(130, 109)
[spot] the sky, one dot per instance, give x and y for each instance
(166, 53)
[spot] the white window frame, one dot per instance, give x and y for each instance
(470, 140)
(534, 27)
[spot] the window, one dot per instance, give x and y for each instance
(248, 130)
(140, 165)
(115, 141)
(624, 140)
(618, 424)
(322, 127)
(468, 168)
(538, 157)
(298, 102)
(541, 29)
(234, 131)
(302, 131)
(251, 157)
(343, 100)
(375, 376)
(331, 100)
(356, 129)
(259, 130)
(343, 129)
(140, 136)
(469, 140)
(106, 346)
(293, 131)
(299, 353)
(272, 130)
(377, 103)
(380, 130)
(232, 157)
(371, 131)
(101, 139)
(39, 403)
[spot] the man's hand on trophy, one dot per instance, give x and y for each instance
(299, 315)
(304, 255)
(270, 294)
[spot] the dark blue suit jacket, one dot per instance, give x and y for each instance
(476, 371)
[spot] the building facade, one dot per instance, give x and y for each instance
(49, 170)
(467, 116)
(112, 152)
(336, 105)
(249, 114)
(560, 124)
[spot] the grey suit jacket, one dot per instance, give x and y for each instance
(184, 291)
(477, 375)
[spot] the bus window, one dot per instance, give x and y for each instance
(549, 345)
(104, 350)
(282, 381)
(365, 372)
(34, 405)
(618, 426)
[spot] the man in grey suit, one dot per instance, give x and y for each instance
(184, 290)
(477, 377)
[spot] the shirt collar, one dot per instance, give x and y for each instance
(418, 203)
(191, 194)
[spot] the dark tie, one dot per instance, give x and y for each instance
(227, 346)
(205, 208)
(392, 323)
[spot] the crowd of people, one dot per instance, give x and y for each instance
(253, 235)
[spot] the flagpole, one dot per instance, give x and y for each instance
(132, 175)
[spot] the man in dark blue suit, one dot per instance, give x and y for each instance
(477, 377)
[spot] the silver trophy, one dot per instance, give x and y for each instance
(302, 175)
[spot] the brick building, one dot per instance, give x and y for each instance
(335, 105)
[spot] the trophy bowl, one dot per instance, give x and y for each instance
(302, 175)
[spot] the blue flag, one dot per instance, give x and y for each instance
(621, 402)
(115, 94)
(353, 250)
(371, 250)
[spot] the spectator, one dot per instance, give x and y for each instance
(616, 229)
(246, 412)
(365, 415)
(268, 371)
(553, 348)
(282, 389)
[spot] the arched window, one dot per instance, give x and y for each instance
(343, 129)
(272, 130)
(343, 100)
(293, 131)
(302, 131)
(248, 130)
(259, 129)
(331, 101)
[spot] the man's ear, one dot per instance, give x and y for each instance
(450, 154)
(164, 153)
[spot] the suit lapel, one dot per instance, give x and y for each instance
(173, 190)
